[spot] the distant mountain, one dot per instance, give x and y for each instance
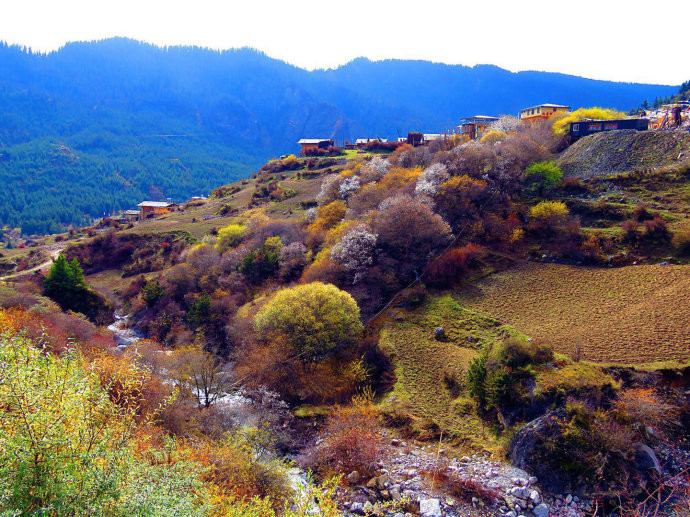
(96, 127)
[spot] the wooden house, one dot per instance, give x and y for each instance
(589, 127)
(361, 143)
(154, 208)
(308, 145)
(542, 112)
(477, 126)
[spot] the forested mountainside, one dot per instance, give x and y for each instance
(96, 127)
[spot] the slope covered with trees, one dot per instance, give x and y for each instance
(96, 127)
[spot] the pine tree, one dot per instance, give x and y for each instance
(65, 284)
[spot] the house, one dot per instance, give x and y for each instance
(588, 127)
(309, 145)
(542, 112)
(360, 143)
(130, 216)
(154, 208)
(477, 126)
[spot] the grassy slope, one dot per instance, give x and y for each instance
(627, 315)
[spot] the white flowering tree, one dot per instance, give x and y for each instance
(431, 179)
(355, 251)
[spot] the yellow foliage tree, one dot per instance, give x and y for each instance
(314, 320)
(561, 126)
(329, 215)
(229, 237)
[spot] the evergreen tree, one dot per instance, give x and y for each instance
(65, 284)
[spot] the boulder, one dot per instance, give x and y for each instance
(353, 477)
(645, 459)
(439, 333)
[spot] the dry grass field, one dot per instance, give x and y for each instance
(629, 315)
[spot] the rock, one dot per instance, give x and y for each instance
(357, 508)
(520, 492)
(511, 513)
(645, 459)
(541, 510)
(382, 481)
(395, 493)
(368, 508)
(385, 495)
(532, 480)
(568, 499)
(371, 483)
(353, 477)
(535, 497)
(395, 442)
(430, 508)
(439, 333)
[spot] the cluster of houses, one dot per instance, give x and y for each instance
(670, 116)
(474, 127)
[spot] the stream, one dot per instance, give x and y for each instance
(122, 333)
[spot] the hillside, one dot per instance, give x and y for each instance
(623, 151)
(97, 127)
(453, 329)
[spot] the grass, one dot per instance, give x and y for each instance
(423, 366)
(628, 315)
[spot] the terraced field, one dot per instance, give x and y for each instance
(630, 315)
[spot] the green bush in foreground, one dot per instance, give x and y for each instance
(66, 449)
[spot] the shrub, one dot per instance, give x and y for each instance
(355, 251)
(656, 230)
(352, 439)
(541, 177)
(229, 237)
(152, 292)
(329, 215)
(461, 198)
(314, 320)
(681, 240)
(547, 216)
(464, 488)
(453, 265)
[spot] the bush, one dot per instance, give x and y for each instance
(453, 265)
(229, 237)
(352, 439)
(681, 240)
(656, 230)
(152, 292)
(313, 320)
(541, 177)
(548, 216)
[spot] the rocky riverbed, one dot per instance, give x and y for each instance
(406, 475)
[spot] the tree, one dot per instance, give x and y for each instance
(542, 176)
(314, 320)
(65, 284)
(355, 251)
(548, 215)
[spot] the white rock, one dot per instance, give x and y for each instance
(430, 508)
(535, 497)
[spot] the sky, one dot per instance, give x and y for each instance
(601, 39)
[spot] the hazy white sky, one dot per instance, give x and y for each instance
(624, 40)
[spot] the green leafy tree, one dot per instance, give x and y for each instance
(262, 263)
(65, 284)
(542, 177)
(314, 320)
(199, 311)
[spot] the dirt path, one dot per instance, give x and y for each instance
(55, 251)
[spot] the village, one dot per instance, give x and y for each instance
(665, 117)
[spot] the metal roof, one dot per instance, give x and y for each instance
(155, 204)
(483, 118)
(546, 106)
(367, 140)
(313, 140)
